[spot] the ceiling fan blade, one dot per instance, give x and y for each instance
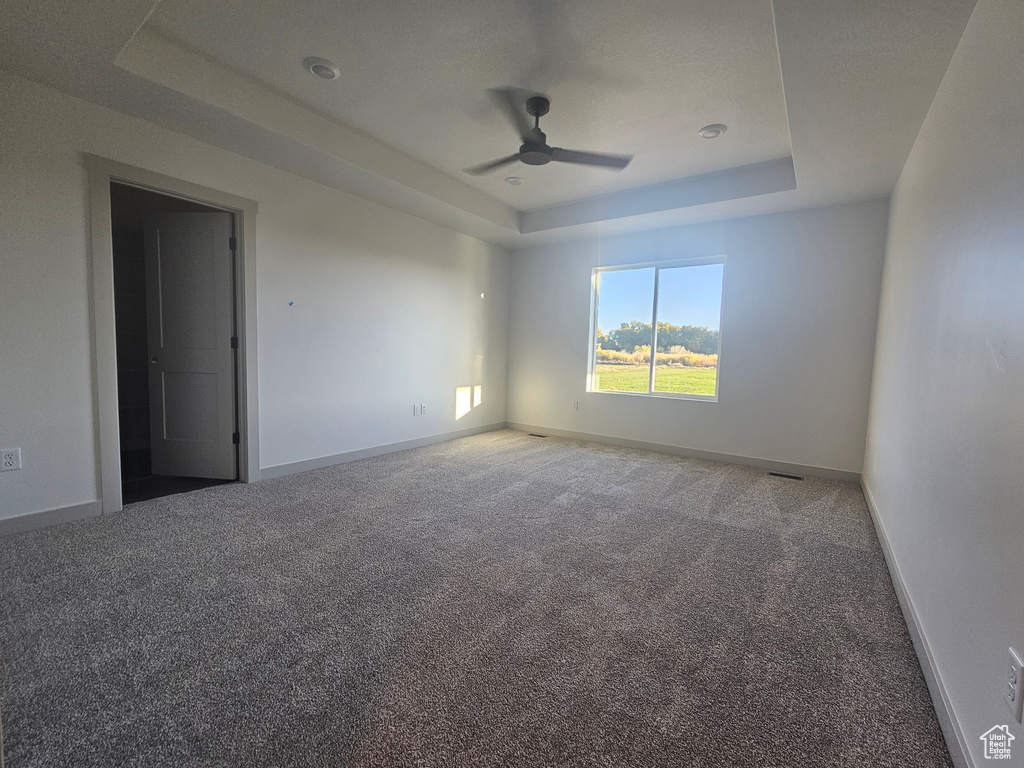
(618, 162)
(477, 170)
(512, 102)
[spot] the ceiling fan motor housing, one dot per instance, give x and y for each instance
(536, 152)
(534, 155)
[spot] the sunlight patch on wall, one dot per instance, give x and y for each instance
(463, 401)
(467, 398)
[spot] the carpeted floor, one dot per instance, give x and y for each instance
(500, 600)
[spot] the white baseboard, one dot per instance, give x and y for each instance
(959, 748)
(774, 466)
(280, 470)
(48, 517)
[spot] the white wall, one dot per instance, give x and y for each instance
(407, 293)
(800, 307)
(945, 459)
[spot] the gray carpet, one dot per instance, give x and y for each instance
(500, 600)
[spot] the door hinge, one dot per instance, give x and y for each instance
(234, 342)
(235, 438)
(232, 243)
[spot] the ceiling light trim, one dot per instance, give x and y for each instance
(321, 68)
(713, 131)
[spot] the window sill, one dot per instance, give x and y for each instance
(660, 395)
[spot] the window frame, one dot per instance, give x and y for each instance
(595, 295)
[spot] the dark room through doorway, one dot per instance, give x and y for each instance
(174, 311)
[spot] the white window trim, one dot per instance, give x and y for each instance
(657, 266)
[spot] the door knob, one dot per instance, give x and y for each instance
(154, 359)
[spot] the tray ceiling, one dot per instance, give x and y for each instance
(636, 78)
(823, 99)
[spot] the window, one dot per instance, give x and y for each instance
(674, 309)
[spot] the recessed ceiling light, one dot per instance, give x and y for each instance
(514, 181)
(322, 68)
(712, 131)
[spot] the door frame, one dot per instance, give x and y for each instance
(101, 172)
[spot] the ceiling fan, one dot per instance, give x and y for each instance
(535, 149)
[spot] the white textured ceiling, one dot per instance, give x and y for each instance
(857, 79)
(637, 77)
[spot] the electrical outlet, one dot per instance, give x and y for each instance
(10, 458)
(423, 409)
(1014, 695)
(415, 409)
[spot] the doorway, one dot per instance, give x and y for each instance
(174, 274)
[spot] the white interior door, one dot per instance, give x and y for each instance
(190, 308)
